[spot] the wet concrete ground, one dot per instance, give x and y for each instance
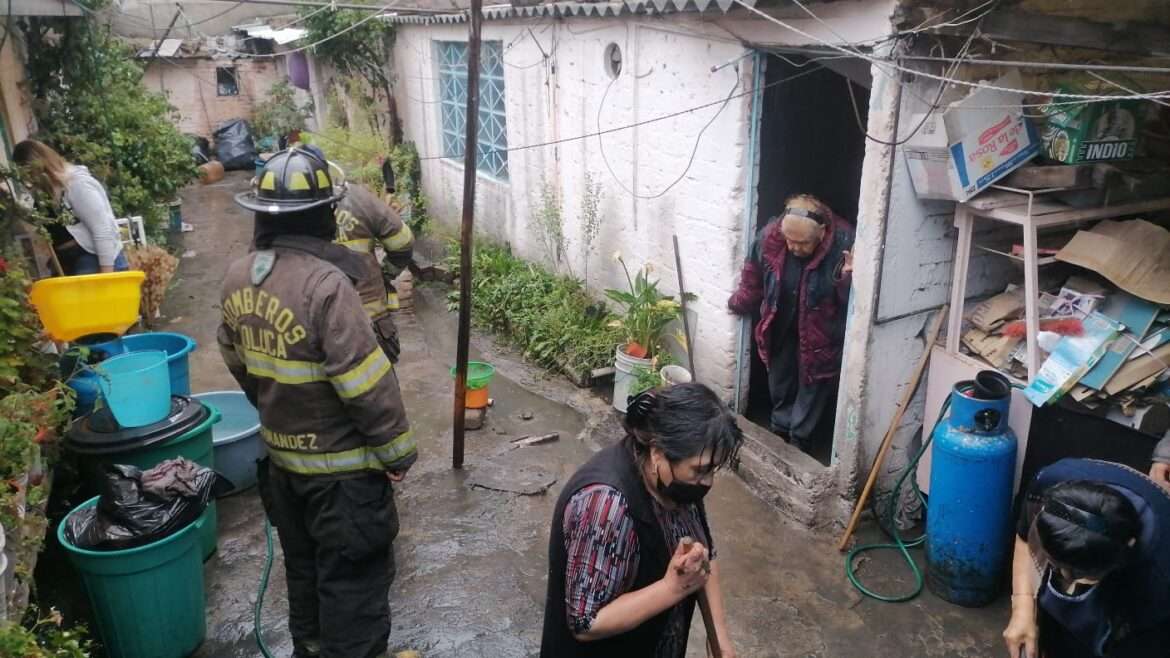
(472, 561)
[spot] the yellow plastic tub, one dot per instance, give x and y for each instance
(74, 306)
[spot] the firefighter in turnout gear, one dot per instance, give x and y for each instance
(364, 223)
(296, 338)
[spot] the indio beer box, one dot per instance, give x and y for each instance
(1091, 132)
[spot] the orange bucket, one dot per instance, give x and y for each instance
(477, 398)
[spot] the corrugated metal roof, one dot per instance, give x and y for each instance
(576, 9)
(280, 36)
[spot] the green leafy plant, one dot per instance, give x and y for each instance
(590, 216)
(550, 317)
(91, 106)
(279, 115)
(22, 364)
(648, 378)
(357, 45)
(43, 637)
(647, 312)
(408, 178)
(550, 223)
(361, 154)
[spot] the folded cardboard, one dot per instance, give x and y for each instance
(1136, 316)
(994, 312)
(1139, 370)
(976, 141)
(1134, 255)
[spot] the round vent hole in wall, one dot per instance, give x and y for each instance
(613, 60)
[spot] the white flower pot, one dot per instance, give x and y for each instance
(672, 375)
(624, 374)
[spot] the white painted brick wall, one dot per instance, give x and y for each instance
(663, 72)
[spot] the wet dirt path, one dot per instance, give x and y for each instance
(471, 561)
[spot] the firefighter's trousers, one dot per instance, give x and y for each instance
(337, 537)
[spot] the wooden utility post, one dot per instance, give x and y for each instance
(465, 233)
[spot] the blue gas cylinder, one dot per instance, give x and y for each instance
(973, 463)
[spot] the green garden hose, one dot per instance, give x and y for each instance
(264, 575)
(899, 544)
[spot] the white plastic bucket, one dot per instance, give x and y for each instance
(624, 374)
(673, 374)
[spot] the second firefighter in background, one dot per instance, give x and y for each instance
(296, 337)
(365, 224)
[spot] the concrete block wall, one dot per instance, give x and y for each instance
(190, 85)
(663, 71)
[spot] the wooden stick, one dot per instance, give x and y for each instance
(475, 21)
(713, 649)
(682, 293)
(908, 394)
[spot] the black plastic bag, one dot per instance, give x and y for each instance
(234, 146)
(200, 149)
(134, 510)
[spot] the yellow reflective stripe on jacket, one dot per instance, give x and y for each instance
(375, 308)
(360, 245)
(392, 302)
(400, 240)
(362, 377)
(364, 458)
(283, 371)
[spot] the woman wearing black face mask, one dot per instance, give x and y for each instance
(1091, 572)
(622, 582)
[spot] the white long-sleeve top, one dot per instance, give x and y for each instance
(95, 230)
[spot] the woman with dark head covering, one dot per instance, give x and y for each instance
(630, 550)
(1091, 572)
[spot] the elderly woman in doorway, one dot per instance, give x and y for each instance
(798, 277)
(90, 244)
(630, 551)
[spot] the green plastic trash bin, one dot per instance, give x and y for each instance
(147, 601)
(186, 432)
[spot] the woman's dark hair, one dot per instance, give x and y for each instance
(684, 420)
(1087, 526)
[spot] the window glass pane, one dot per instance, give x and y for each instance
(492, 134)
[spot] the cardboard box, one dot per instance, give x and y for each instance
(974, 142)
(1092, 132)
(1133, 254)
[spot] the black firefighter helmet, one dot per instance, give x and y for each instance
(291, 181)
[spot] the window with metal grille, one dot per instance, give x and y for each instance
(492, 140)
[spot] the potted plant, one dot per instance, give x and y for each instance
(279, 116)
(647, 312)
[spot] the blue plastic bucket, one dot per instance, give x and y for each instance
(136, 387)
(236, 437)
(177, 347)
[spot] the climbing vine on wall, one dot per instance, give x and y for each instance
(357, 46)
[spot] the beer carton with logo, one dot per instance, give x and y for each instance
(1091, 132)
(971, 143)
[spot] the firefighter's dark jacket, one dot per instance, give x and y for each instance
(295, 337)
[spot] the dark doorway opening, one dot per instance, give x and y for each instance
(810, 143)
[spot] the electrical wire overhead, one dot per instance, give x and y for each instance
(880, 63)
